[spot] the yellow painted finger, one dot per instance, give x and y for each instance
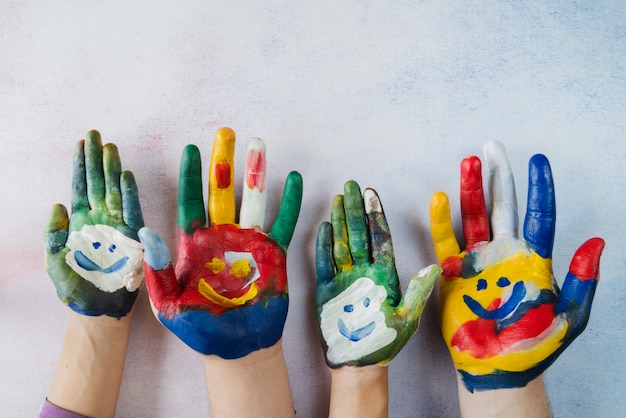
(222, 179)
(444, 241)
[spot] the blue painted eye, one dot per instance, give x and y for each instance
(112, 248)
(348, 308)
(366, 302)
(96, 245)
(503, 282)
(482, 284)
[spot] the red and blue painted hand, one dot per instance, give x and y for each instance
(503, 317)
(94, 258)
(363, 317)
(227, 294)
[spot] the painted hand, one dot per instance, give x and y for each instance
(503, 316)
(362, 316)
(94, 258)
(228, 293)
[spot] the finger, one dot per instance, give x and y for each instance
(441, 229)
(380, 235)
(133, 216)
(540, 221)
(325, 269)
(417, 293)
(254, 195)
(94, 170)
(191, 213)
(80, 202)
(504, 218)
(112, 171)
(473, 208)
(580, 284)
(341, 249)
(56, 230)
(356, 223)
(221, 178)
(285, 223)
(163, 288)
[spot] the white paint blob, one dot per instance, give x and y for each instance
(352, 323)
(105, 257)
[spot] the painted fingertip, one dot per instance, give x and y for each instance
(372, 201)
(351, 187)
(439, 207)
(224, 134)
(429, 271)
(93, 135)
(495, 155)
(539, 171)
(585, 264)
(156, 253)
(471, 173)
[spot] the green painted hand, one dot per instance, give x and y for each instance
(94, 258)
(362, 315)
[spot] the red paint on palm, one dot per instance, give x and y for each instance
(586, 261)
(482, 339)
(473, 208)
(255, 170)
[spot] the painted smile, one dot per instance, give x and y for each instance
(357, 334)
(517, 296)
(88, 264)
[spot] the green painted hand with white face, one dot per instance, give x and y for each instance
(94, 258)
(362, 315)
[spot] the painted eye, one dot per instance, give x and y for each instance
(348, 308)
(503, 282)
(112, 248)
(366, 302)
(96, 245)
(481, 285)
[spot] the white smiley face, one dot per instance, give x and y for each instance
(105, 257)
(352, 323)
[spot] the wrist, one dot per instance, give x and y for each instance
(256, 385)
(529, 400)
(359, 391)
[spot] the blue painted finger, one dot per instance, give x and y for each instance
(540, 221)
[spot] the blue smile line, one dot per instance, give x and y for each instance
(357, 334)
(88, 264)
(517, 295)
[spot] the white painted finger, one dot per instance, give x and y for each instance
(254, 195)
(504, 218)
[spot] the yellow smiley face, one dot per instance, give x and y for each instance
(502, 318)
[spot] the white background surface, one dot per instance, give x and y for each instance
(392, 95)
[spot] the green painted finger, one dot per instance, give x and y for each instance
(417, 293)
(112, 171)
(93, 169)
(191, 213)
(285, 223)
(356, 223)
(324, 267)
(341, 249)
(79, 179)
(55, 232)
(131, 207)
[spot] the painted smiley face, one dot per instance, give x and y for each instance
(353, 324)
(501, 314)
(105, 257)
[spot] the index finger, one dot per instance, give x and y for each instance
(285, 223)
(221, 178)
(540, 221)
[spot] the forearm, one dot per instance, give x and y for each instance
(359, 392)
(256, 385)
(90, 368)
(528, 401)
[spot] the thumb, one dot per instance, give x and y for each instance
(580, 285)
(417, 293)
(163, 288)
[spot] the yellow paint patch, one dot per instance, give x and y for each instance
(216, 265)
(208, 292)
(241, 268)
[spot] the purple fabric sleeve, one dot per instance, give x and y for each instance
(52, 411)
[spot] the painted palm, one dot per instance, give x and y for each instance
(94, 258)
(503, 316)
(227, 294)
(362, 315)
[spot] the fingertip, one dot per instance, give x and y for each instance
(471, 173)
(585, 263)
(156, 253)
(495, 155)
(225, 134)
(539, 171)
(351, 187)
(439, 207)
(372, 201)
